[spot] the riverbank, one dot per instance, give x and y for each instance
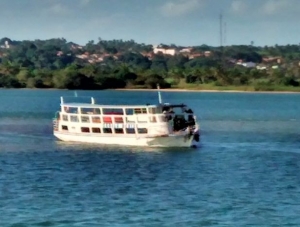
(207, 90)
(288, 90)
(184, 87)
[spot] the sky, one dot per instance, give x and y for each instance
(179, 22)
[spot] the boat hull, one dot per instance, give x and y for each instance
(161, 141)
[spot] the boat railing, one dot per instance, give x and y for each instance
(83, 99)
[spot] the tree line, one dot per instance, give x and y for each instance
(54, 63)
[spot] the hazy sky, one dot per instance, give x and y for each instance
(180, 22)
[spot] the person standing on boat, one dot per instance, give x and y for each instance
(167, 115)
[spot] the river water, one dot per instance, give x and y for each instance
(246, 172)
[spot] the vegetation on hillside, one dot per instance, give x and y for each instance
(56, 63)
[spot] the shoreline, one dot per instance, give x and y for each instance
(205, 90)
(162, 90)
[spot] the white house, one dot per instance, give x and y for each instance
(185, 50)
(172, 52)
(249, 64)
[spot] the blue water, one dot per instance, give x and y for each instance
(246, 172)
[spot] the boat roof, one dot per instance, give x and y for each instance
(93, 104)
(174, 105)
(90, 105)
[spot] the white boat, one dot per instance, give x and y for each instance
(161, 125)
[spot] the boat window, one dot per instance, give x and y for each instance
(68, 109)
(119, 119)
(73, 118)
(142, 119)
(85, 129)
(113, 111)
(119, 131)
(129, 111)
(65, 117)
(64, 127)
(107, 130)
(88, 110)
(107, 120)
(142, 131)
(153, 110)
(96, 120)
(85, 119)
(96, 130)
(130, 130)
(119, 128)
(152, 119)
(140, 110)
(130, 119)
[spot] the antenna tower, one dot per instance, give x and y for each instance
(221, 30)
(225, 28)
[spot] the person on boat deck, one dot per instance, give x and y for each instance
(179, 123)
(191, 120)
(171, 111)
(189, 111)
(167, 116)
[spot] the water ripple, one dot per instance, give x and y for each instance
(246, 172)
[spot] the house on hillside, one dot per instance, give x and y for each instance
(272, 60)
(186, 50)
(76, 46)
(195, 55)
(148, 55)
(83, 56)
(261, 67)
(249, 64)
(169, 51)
(245, 64)
(6, 45)
(207, 53)
(59, 53)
